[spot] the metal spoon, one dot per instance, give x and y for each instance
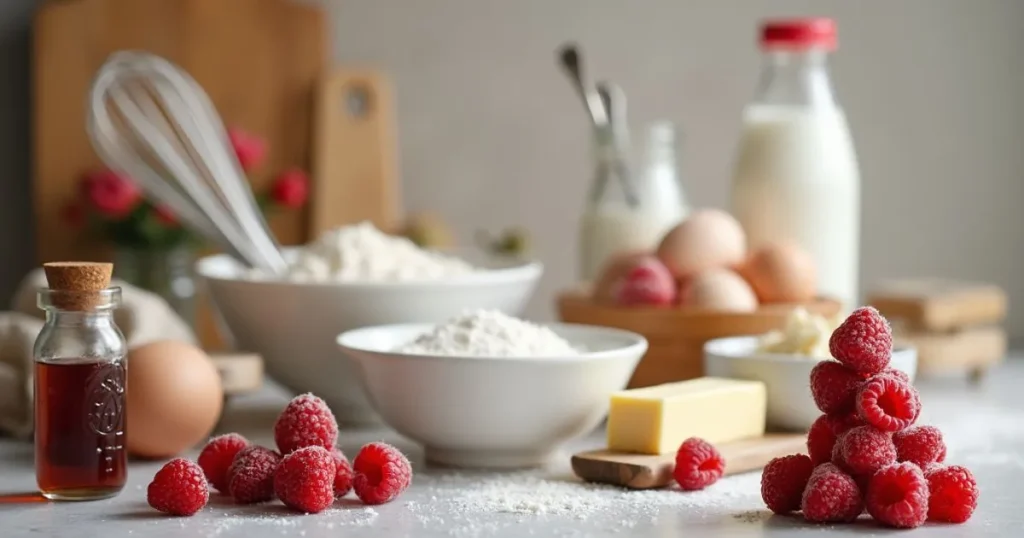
(613, 100)
(569, 58)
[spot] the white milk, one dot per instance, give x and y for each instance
(606, 231)
(797, 178)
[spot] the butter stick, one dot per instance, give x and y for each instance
(656, 420)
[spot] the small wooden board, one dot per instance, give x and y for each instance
(971, 351)
(936, 305)
(645, 471)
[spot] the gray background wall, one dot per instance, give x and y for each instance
(490, 134)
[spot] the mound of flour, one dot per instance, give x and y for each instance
(489, 333)
(361, 252)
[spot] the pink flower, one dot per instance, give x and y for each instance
(249, 149)
(165, 216)
(290, 188)
(111, 194)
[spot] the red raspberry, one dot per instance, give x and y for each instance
(953, 494)
(783, 481)
(306, 421)
(898, 496)
(304, 479)
(863, 342)
(343, 475)
(866, 450)
(251, 475)
(898, 374)
(821, 438)
(831, 495)
(647, 283)
(920, 445)
(217, 456)
(888, 403)
(698, 464)
(834, 387)
(179, 488)
(382, 472)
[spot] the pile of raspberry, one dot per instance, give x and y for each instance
(865, 452)
(307, 472)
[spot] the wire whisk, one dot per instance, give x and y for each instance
(151, 120)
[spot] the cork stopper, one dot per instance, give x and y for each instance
(80, 280)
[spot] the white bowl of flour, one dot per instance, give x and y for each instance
(485, 390)
(351, 277)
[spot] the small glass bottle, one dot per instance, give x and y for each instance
(80, 375)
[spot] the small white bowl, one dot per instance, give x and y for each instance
(293, 325)
(787, 377)
(493, 412)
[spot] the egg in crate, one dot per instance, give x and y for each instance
(707, 239)
(781, 273)
(718, 289)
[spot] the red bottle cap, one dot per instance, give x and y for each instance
(799, 33)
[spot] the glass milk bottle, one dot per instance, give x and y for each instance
(630, 212)
(796, 176)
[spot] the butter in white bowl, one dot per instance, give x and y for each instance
(806, 334)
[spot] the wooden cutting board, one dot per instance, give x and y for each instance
(643, 471)
(939, 305)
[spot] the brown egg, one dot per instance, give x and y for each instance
(707, 239)
(719, 289)
(614, 270)
(782, 273)
(174, 398)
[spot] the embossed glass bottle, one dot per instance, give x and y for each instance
(80, 374)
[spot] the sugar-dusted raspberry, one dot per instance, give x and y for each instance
(698, 464)
(304, 479)
(866, 449)
(898, 374)
(217, 456)
(251, 475)
(953, 494)
(898, 496)
(305, 421)
(179, 488)
(888, 403)
(382, 473)
(831, 496)
(822, 435)
(863, 342)
(783, 481)
(647, 283)
(920, 445)
(343, 474)
(834, 387)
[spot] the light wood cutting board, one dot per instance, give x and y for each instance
(643, 471)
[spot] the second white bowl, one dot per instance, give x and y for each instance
(493, 412)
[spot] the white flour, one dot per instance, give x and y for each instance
(361, 252)
(489, 333)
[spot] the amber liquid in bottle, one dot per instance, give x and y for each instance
(80, 428)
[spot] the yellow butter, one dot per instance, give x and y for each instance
(656, 420)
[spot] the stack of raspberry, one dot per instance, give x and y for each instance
(864, 451)
(309, 476)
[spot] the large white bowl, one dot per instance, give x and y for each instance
(787, 377)
(294, 325)
(490, 412)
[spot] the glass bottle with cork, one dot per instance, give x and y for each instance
(80, 375)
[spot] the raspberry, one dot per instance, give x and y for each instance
(821, 438)
(179, 488)
(888, 403)
(920, 445)
(783, 481)
(251, 475)
(898, 496)
(698, 464)
(863, 342)
(866, 450)
(382, 472)
(216, 458)
(831, 495)
(304, 479)
(305, 421)
(834, 387)
(898, 374)
(647, 283)
(343, 475)
(953, 494)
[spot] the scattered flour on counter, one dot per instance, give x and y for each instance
(489, 333)
(361, 253)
